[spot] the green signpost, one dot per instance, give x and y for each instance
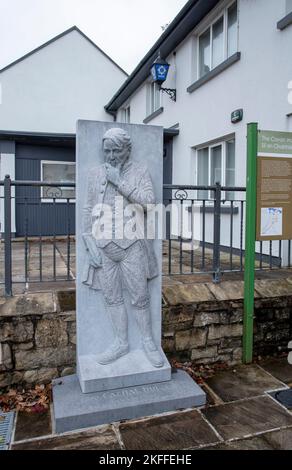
(250, 239)
(268, 208)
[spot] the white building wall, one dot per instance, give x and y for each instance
(48, 91)
(258, 83)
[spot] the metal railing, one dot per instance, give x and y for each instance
(218, 246)
(30, 204)
(201, 253)
(213, 245)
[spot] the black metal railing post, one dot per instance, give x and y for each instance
(216, 234)
(7, 236)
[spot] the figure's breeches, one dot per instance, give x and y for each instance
(124, 269)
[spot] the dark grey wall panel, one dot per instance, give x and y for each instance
(34, 217)
(7, 147)
(43, 152)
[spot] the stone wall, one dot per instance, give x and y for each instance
(203, 333)
(37, 340)
(201, 323)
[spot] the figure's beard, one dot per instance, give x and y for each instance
(117, 163)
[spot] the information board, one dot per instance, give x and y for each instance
(274, 186)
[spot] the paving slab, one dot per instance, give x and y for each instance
(169, 281)
(46, 286)
(275, 440)
(33, 304)
(187, 294)
(253, 443)
(94, 439)
(242, 382)
(17, 289)
(228, 290)
(279, 440)
(241, 418)
(273, 288)
(177, 431)
(279, 368)
(191, 278)
(30, 425)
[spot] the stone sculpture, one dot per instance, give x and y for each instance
(116, 262)
(122, 371)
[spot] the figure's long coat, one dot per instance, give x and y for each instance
(135, 188)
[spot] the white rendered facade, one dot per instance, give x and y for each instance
(49, 89)
(259, 82)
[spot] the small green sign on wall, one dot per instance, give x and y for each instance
(236, 116)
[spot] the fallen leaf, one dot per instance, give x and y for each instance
(33, 400)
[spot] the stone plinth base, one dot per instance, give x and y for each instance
(128, 371)
(75, 410)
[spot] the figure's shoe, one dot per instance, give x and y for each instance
(113, 353)
(152, 353)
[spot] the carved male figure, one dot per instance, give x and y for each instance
(116, 263)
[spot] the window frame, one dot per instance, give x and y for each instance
(223, 144)
(288, 7)
(224, 44)
(199, 55)
(287, 19)
(154, 90)
(126, 114)
(56, 200)
(223, 13)
(223, 160)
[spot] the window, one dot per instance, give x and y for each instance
(230, 167)
(216, 164)
(219, 41)
(154, 102)
(62, 172)
(287, 20)
(289, 117)
(126, 115)
(204, 53)
(232, 30)
(203, 172)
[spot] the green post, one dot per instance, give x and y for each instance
(250, 239)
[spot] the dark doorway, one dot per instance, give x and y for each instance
(167, 166)
(167, 175)
(34, 215)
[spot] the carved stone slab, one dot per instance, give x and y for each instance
(122, 372)
(141, 179)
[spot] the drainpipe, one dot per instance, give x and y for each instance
(112, 113)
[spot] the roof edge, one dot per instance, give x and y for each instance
(55, 38)
(55, 137)
(184, 14)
